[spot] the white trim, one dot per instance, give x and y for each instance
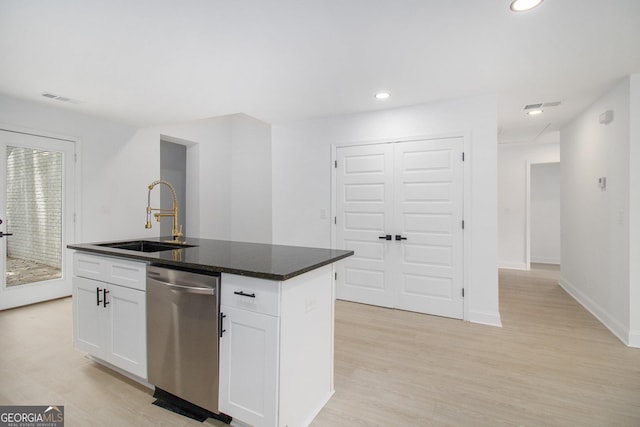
(391, 140)
(634, 339)
(53, 292)
(527, 216)
(617, 328)
(546, 260)
(467, 191)
(37, 132)
(514, 266)
(489, 318)
(313, 414)
(77, 235)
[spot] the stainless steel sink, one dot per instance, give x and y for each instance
(145, 246)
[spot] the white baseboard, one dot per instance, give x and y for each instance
(545, 260)
(617, 328)
(634, 339)
(490, 318)
(513, 265)
(318, 408)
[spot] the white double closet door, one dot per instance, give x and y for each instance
(399, 207)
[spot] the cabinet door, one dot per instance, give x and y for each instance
(249, 366)
(89, 331)
(127, 325)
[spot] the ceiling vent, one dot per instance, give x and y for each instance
(60, 98)
(540, 105)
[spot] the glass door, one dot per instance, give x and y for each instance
(36, 210)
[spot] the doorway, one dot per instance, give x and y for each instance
(543, 218)
(37, 214)
(173, 169)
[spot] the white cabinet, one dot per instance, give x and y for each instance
(249, 368)
(276, 351)
(109, 315)
(249, 349)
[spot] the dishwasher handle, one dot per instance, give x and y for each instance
(182, 288)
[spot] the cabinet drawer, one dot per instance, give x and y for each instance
(112, 270)
(259, 295)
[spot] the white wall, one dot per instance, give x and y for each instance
(251, 209)
(118, 162)
(228, 175)
(209, 169)
(545, 213)
(110, 177)
(513, 161)
(595, 223)
(302, 180)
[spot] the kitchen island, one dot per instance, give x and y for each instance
(277, 309)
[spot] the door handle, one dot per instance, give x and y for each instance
(5, 234)
(387, 237)
(399, 237)
(98, 300)
(104, 298)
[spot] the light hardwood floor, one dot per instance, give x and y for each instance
(551, 363)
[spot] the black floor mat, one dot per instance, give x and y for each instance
(180, 410)
(173, 403)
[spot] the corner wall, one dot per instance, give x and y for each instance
(302, 180)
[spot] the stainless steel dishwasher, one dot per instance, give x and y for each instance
(183, 312)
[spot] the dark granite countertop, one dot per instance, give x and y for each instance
(273, 262)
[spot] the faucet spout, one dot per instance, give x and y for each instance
(177, 233)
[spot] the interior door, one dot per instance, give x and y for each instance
(428, 221)
(364, 191)
(399, 208)
(36, 209)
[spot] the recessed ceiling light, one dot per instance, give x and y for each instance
(535, 112)
(524, 5)
(382, 95)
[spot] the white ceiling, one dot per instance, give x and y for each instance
(146, 62)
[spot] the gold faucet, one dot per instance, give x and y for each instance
(177, 234)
